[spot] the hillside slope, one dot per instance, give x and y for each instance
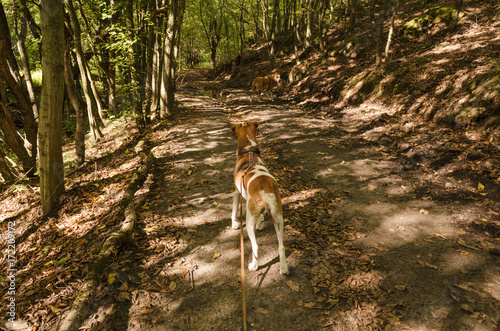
(442, 84)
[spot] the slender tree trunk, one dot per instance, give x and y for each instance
(52, 98)
(157, 65)
(321, 24)
(379, 27)
(166, 102)
(134, 62)
(149, 66)
(87, 90)
(272, 50)
(99, 111)
(13, 139)
(10, 72)
(456, 16)
(309, 23)
(394, 6)
(174, 22)
(21, 37)
(296, 34)
(352, 14)
(76, 102)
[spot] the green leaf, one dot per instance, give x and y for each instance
(63, 260)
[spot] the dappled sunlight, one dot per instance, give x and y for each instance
(460, 261)
(402, 227)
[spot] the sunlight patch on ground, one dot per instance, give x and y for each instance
(360, 167)
(460, 261)
(403, 227)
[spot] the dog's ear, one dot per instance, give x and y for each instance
(253, 125)
(235, 127)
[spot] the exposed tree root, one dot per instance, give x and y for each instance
(81, 306)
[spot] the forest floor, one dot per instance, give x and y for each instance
(376, 240)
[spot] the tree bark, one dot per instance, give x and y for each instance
(5, 171)
(82, 65)
(394, 6)
(52, 98)
(174, 22)
(76, 102)
(10, 72)
(21, 47)
(379, 27)
(12, 137)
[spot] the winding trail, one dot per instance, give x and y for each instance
(369, 245)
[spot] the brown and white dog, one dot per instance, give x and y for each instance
(260, 84)
(260, 190)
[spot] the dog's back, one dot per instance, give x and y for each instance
(261, 84)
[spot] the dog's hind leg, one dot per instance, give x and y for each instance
(275, 209)
(260, 222)
(277, 216)
(279, 227)
(234, 215)
(250, 225)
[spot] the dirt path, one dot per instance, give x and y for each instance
(370, 244)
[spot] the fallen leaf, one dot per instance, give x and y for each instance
(123, 296)
(111, 278)
(54, 309)
(423, 211)
(216, 255)
(400, 287)
(293, 285)
(261, 311)
(63, 260)
(146, 311)
(480, 187)
(466, 307)
(172, 286)
(309, 304)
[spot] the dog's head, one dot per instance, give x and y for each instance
(245, 133)
(277, 78)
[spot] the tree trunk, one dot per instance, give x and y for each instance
(394, 6)
(21, 37)
(309, 23)
(76, 102)
(87, 90)
(272, 50)
(134, 63)
(352, 14)
(11, 136)
(166, 94)
(174, 22)
(149, 66)
(10, 72)
(52, 98)
(157, 65)
(379, 27)
(5, 171)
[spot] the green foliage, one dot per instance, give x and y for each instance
(423, 23)
(36, 77)
(69, 127)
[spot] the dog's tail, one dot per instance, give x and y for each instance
(273, 205)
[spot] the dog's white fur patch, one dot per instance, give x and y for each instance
(252, 143)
